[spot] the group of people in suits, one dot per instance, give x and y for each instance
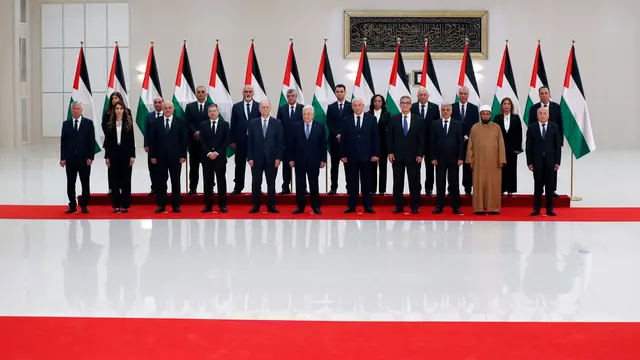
(422, 133)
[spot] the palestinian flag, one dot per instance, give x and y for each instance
(575, 113)
(324, 93)
(291, 78)
(363, 86)
(184, 92)
(538, 79)
(116, 80)
(219, 90)
(82, 92)
(398, 84)
(150, 90)
(429, 79)
(506, 85)
(467, 77)
(253, 77)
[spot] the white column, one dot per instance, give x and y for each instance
(8, 74)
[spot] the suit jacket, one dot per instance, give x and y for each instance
(170, 146)
(151, 118)
(513, 138)
(265, 148)
(334, 120)
(471, 116)
(446, 147)
(410, 146)
(239, 121)
(543, 152)
(193, 117)
(284, 116)
(217, 142)
(78, 145)
(432, 110)
(310, 151)
(127, 147)
(555, 116)
(383, 126)
(359, 144)
(106, 116)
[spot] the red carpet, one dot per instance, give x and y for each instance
(329, 213)
(338, 199)
(123, 339)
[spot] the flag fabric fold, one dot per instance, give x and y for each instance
(575, 113)
(253, 76)
(82, 93)
(467, 77)
(116, 82)
(150, 90)
(185, 91)
(363, 86)
(538, 79)
(506, 86)
(429, 79)
(219, 93)
(398, 84)
(291, 78)
(324, 92)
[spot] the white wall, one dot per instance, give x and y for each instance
(606, 34)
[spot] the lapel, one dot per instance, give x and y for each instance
(270, 126)
(442, 127)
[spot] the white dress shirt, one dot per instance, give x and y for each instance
(73, 124)
(377, 114)
(446, 130)
(546, 126)
(214, 125)
(355, 120)
(507, 122)
(164, 122)
(119, 131)
(158, 113)
(408, 120)
(204, 106)
(250, 103)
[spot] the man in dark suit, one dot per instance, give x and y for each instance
(151, 118)
(308, 155)
(77, 151)
(265, 144)
(555, 116)
(468, 113)
(168, 150)
(406, 142)
(360, 147)
(214, 139)
(429, 112)
(289, 114)
(447, 154)
(241, 113)
(194, 114)
(335, 113)
(544, 150)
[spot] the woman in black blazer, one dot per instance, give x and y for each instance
(511, 127)
(120, 153)
(378, 109)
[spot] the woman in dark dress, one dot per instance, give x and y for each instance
(378, 109)
(511, 127)
(115, 98)
(120, 153)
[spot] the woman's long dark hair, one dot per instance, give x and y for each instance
(127, 122)
(384, 103)
(111, 107)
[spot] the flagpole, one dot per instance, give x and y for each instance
(573, 198)
(326, 166)
(186, 162)
(292, 186)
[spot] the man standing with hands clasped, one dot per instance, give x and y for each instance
(214, 139)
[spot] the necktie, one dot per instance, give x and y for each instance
(166, 126)
(201, 107)
(446, 126)
(340, 110)
(75, 125)
(422, 111)
(308, 130)
(358, 122)
(405, 126)
(158, 114)
(544, 131)
(248, 111)
(291, 113)
(463, 113)
(264, 128)
(213, 127)
(545, 105)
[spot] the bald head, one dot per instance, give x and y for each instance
(247, 93)
(543, 115)
(358, 106)
(167, 108)
(463, 94)
(157, 103)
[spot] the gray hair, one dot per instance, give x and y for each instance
(309, 107)
(357, 99)
(212, 106)
(158, 98)
(76, 103)
(445, 105)
(265, 102)
(463, 88)
(422, 89)
(291, 91)
(405, 97)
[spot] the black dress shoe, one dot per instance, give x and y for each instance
(151, 193)
(398, 210)
(223, 209)
(555, 195)
(551, 213)
(414, 211)
(535, 213)
(369, 210)
(125, 210)
(494, 213)
(191, 192)
(207, 209)
(176, 209)
(427, 193)
(298, 211)
(317, 211)
(350, 210)
(254, 210)
(71, 210)
(457, 212)
(479, 213)
(437, 211)
(235, 192)
(381, 193)
(332, 192)
(116, 211)
(160, 210)
(84, 210)
(285, 192)
(273, 210)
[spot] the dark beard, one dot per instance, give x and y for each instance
(486, 121)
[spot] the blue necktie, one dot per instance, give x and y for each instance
(422, 111)
(308, 130)
(291, 113)
(405, 126)
(463, 112)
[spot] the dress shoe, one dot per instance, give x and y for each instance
(398, 210)
(254, 210)
(414, 211)
(381, 193)
(191, 192)
(152, 193)
(273, 210)
(332, 192)
(494, 213)
(437, 211)
(350, 210)
(176, 209)
(317, 211)
(207, 209)
(84, 210)
(223, 209)
(235, 192)
(535, 213)
(369, 210)
(160, 210)
(479, 213)
(285, 192)
(457, 212)
(551, 213)
(71, 210)
(298, 211)
(125, 210)
(428, 193)
(510, 194)
(116, 211)
(555, 195)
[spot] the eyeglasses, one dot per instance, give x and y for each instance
(405, 103)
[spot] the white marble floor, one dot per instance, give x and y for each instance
(321, 270)
(32, 176)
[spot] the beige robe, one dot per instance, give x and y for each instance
(485, 152)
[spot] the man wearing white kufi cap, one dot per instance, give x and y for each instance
(486, 157)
